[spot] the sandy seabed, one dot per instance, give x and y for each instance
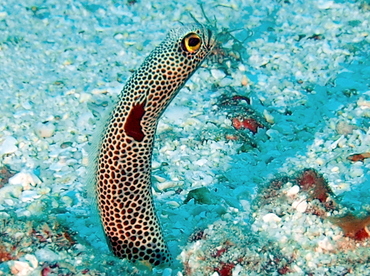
(289, 92)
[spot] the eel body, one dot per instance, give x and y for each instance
(123, 165)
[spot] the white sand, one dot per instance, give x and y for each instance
(64, 62)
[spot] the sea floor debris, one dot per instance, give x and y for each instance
(304, 70)
(292, 230)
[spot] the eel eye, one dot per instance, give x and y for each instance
(191, 43)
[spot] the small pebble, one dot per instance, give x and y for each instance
(20, 268)
(201, 162)
(29, 196)
(273, 134)
(363, 103)
(8, 145)
(356, 172)
(217, 74)
(66, 145)
(26, 179)
(173, 204)
(293, 191)
(319, 161)
(325, 244)
(68, 202)
(35, 208)
(99, 91)
(159, 178)
(236, 270)
(167, 272)
(244, 81)
(155, 165)
(84, 119)
(343, 128)
(165, 185)
(10, 191)
(45, 130)
(269, 118)
(300, 206)
(31, 259)
(46, 255)
(335, 169)
(271, 217)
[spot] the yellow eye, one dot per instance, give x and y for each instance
(191, 43)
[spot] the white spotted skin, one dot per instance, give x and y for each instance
(122, 178)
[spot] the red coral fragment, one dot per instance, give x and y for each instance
(284, 270)
(362, 234)
(248, 123)
(219, 252)
(315, 184)
(5, 174)
(353, 227)
(46, 271)
(5, 255)
(226, 269)
(359, 157)
(231, 137)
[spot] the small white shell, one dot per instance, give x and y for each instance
(32, 260)
(293, 191)
(271, 217)
(300, 206)
(25, 179)
(8, 145)
(45, 130)
(20, 268)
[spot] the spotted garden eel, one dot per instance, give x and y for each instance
(122, 177)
